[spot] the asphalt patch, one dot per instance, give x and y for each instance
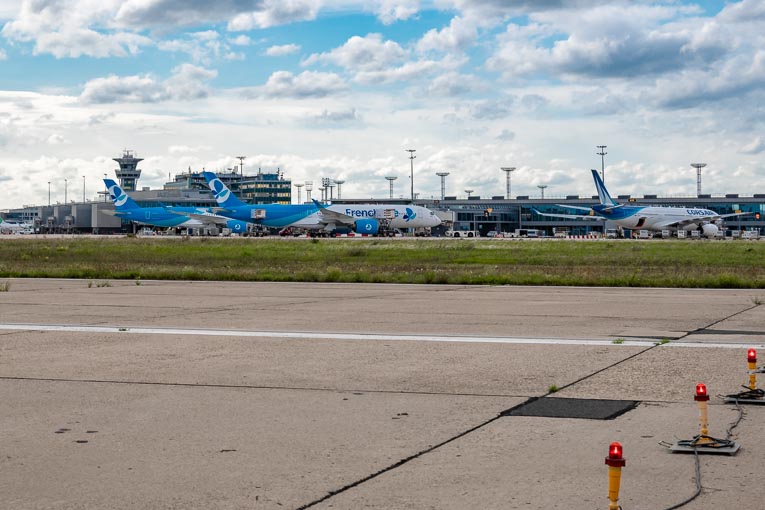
(579, 408)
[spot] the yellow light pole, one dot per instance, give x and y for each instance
(615, 461)
(751, 358)
(702, 397)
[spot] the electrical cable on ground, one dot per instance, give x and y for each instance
(728, 435)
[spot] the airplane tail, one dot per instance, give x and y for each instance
(122, 202)
(220, 191)
(605, 198)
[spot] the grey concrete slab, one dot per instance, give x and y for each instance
(179, 400)
(667, 373)
(95, 445)
(509, 311)
(523, 462)
(437, 367)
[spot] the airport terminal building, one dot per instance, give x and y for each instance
(474, 213)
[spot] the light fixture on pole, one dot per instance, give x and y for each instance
(48, 193)
(83, 189)
(698, 167)
(299, 186)
(339, 183)
(241, 165)
(308, 189)
(508, 170)
(411, 168)
(542, 189)
(602, 155)
(390, 179)
(469, 192)
(443, 175)
(65, 190)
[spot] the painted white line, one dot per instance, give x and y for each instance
(358, 336)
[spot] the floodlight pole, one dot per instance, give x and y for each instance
(508, 170)
(602, 155)
(411, 169)
(698, 167)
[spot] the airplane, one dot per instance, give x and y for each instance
(646, 217)
(14, 228)
(180, 217)
(361, 218)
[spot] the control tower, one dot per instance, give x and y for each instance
(127, 173)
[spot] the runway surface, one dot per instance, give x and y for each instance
(287, 395)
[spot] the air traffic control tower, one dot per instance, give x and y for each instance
(128, 172)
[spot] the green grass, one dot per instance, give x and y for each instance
(481, 262)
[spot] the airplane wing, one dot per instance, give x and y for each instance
(204, 217)
(593, 217)
(575, 207)
(698, 219)
(333, 217)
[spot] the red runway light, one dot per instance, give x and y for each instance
(615, 458)
(615, 451)
(701, 392)
(751, 356)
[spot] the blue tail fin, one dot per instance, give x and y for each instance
(605, 198)
(122, 202)
(220, 191)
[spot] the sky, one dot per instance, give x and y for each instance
(341, 89)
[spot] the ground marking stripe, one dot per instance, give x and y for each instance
(357, 336)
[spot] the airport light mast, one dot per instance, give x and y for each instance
(339, 183)
(65, 190)
(83, 189)
(469, 192)
(443, 175)
(508, 170)
(390, 180)
(542, 189)
(308, 189)
(602, 155)
(698, 167)
(299, 186)
(411, 168)
(241, 165)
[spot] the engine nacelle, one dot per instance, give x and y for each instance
(710, 230)
(237, 226)
(370, 227)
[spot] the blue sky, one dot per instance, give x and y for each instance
(340, 89)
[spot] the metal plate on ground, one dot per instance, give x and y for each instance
(580, 408)
(733, 400)
(724, 450)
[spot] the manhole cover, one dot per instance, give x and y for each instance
(583, 408)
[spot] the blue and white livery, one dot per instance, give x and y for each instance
(362, 218)
(180, 217)
(646, 217)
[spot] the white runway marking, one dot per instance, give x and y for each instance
(359, 336)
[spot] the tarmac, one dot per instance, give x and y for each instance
(192, 395)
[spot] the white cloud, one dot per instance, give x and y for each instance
(187, 83)
(282, 50)
(3, 55)
(307, 84)
(241, 40)
(756, 146)
(458, 36)
(275, 12)
(369, 53)
(63, 29)
(390, 11)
